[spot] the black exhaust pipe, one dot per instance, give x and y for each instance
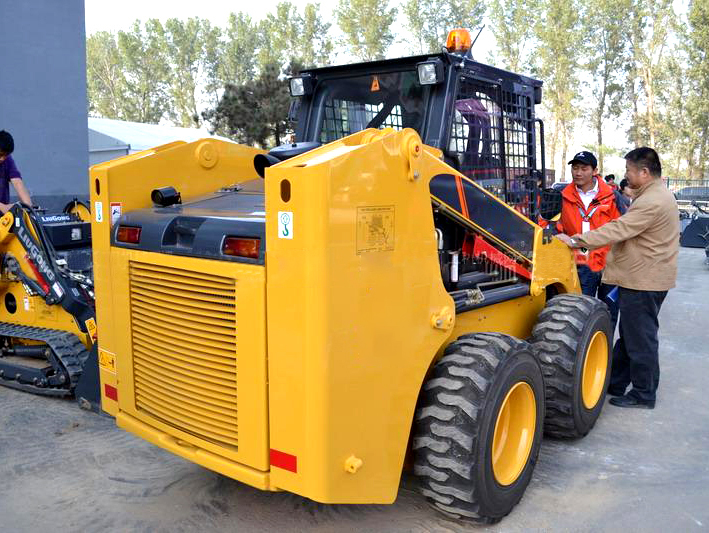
(262, 162)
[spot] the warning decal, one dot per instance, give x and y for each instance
(375, 229)
(91, 328)
(116, 210)
(375, 84)
(107, 360)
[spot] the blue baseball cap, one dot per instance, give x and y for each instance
(587, 158)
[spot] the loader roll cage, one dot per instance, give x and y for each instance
(481, 117)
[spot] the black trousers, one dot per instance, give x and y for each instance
(635, 355)
(591, 286)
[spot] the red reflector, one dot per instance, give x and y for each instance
(129, 234)
(111, 392)
(284, 460)
(241, 247)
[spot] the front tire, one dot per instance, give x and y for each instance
(572, 341)
(478, 427)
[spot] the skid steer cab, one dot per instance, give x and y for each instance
(304, 319)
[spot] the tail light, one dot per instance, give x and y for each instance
(241, 247)
(129, 234)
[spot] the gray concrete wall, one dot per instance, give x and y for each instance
(43, 95)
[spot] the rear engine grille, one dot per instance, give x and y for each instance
(184, 349)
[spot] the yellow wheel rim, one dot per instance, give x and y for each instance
(514, 433)
(81, 210)
(595, 366)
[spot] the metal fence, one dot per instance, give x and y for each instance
(689, 189)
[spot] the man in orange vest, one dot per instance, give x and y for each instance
(588, 203)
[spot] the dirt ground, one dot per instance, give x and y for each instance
(69, 470)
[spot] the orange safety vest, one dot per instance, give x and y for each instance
(602, 209)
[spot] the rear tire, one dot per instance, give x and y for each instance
(478, 427)
(576, 361)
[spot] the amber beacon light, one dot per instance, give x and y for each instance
(458, 41)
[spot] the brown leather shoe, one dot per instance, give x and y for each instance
(630, 401)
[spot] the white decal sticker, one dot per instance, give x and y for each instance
(285, 224)
(58, 290)
(26, 301)
(116, 209)
(98, 207)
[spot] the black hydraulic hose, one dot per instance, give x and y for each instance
(471, 279)
(31, 350)
(495, 296)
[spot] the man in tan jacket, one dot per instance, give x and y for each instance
(643, 264)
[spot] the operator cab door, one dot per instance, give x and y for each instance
(491, 138)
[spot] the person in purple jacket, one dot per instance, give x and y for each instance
(10, 174)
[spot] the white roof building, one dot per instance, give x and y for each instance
(109, 138)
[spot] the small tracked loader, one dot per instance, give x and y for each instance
(47, 317)
(376, 294)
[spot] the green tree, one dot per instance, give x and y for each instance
(185, 48)
(236, 61)
(314, 43)
(255, 112)
(696, 47)
(677, 139)
(146, 70)
(104, 76)
(557, 57)
(514, 35)
(606, 61)
(287, 35)
(429, 21)
(367, 27)
(279, 33)
(214, 55)
(415, 17)
(651, 23)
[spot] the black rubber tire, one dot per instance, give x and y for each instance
(455, 422)
(560, 339)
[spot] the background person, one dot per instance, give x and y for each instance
(10, 174)
(610, 180)
(643, 263)
(587, 204)
(626, 195)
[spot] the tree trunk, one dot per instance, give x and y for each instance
(564, 147)
(650, 94)
(599, 120)
(636, 113)
(702, 156)
(551, 156)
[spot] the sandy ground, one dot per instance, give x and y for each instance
(68, 470)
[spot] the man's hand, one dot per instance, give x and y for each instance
(563, 237)
(5, 207)
(21, 190)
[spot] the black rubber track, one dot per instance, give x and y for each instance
(450, 439)
(560, 339)
(66, 348)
